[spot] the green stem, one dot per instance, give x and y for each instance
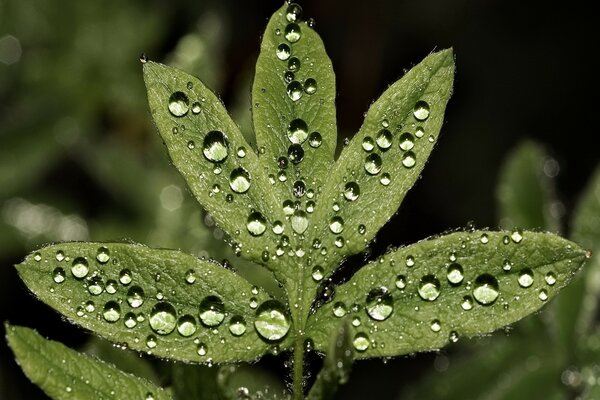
(296, 302)
(298, 372)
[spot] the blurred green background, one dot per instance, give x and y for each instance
(80, 159)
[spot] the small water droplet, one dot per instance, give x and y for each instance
(485, 290)
(186, 325)
(37, 257)
(407, 141)
(310, 86)
(288, 76)
(58, 275)
(292, 33)
(125, 277)
(410, 261)
(95, 286)
(237, 326)
(351, 191)
(543, 295)
(202, 349)
(467, 303)
(271, 323)
(339, 309)
(336, 225)
(484, 238)
(215, 146)
(453, 337)
(129, 320)
(256, 224)
(191, 145)
(368, 144)
(507, 266)
(421, 110)
(436, 326)
(241, 152)
(299, 222)
(179, 104)
(295, 153)
(297, 131)
(517, 236)
(379, 303)
(239, 180)
(79, 268)
(293, 64)
(525, 278)
(317, 273)
(283, 52)
(361, 342)
(373, 164)
(135, 296)
(550, 278)
(112, 311)
(163, 318)
(409, 159)
(190, 276)
(385, 179)
(212, 311)
(384, 139)
(253, 303)
(60, 255)
(293, 13)
(151, 341)
(429, 288)
(278, 227)
(455, 273)
(315, 139)
(401, 282)
(294, 90)
(196, 107)
(419, 131)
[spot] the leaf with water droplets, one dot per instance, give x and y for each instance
(525, 191)
(336, 366)
(63, 373)
(428, 294)
(208, 149)
(163, 302)
(383, 160)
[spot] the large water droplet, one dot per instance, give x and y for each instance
(297, 131)
(294, 90)
(368, 144)
(58, 275)
(339, 309)
(455, 273)
(179, 104)
(130, 320)
(384, 139)
(135, 296)
(486, 290)
(103, 255)
(407, 141)
(293, 13)
(360, 342)
(315, 139)
(421, 110)
(409, 159)
(295, 153)
(380, 303)
(79, 268)
(163, 318)
(212, 311)
(215, 146)
(283, 52)
(429, 288)
(351, 191)
(310, 86)
(237, 325)
(95, 286)
(186, 325)
(525, 278)
(292, 32)
(336, 225)
(112, 311)
(294, 64)
(125, 277)
(373, 164)
(299, 222)
(272, 323)
(256, 224)
(239, 180)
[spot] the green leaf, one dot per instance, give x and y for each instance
(143, 297)
(249, 383)
(293, 101)
(425, 295)
(208, 149)
(336, 366)
(194, 382)
(525, 194)
(408, 116)
(66, 374)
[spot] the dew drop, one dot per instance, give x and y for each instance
(362, 229)
(271, 322)
(543, 295)
(283, 52)
(429, 288)
(293, 13)
(385, 179)
(129, 320)
(125, 277)
(37, 257)
(294, 64)
(486, 290)
(60, 255)
(384, 139)
(179, 104)
(379, 303)
(436, 326)
(517, 236)
(310, 86)
(484, 239)
(453, 337)
(401, 282)
(58, 275)
(196, 107)
(455, 273)
(360, 342)
(507, 266)
(112, 311)
(297, 131)
(79, 268)
(351, 191)
(299, 222)
(135, 296)
(190, 276)
(419, 132)
(292, 33)
(241, 152)
(237, 326)
(278, 227)
(295, 153)
(336, 225)
(186, 325)
(239, 180)
(410, 261)
(294, 90)
(202, 349)
(368, 144)
(95, 286)
(212, 311)
(288, 76)
(315, 140)
(409, 159)
(256, 224)
(373, 164)
(407, 141)
(467, 303)
(421, 110)
(163, 318)
(151, 341)
(215, 146)
(339, 309)
(525, 278)
(550, 278)
(317, 273)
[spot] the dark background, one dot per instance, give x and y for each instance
(524, 70)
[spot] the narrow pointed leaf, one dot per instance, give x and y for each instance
(336, 366)
(293, 101)
(426, 295)
(383, 161)
(163, 302)
(63, 373)
(525, 194)
(208, 149)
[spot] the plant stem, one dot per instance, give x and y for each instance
(298, 367)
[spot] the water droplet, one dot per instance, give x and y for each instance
(550, 278)
(407, 141)
(484, 238)
(256, 224)
(58, 275)
(129, 320)
(299, 222)
(60, 255)
(336, 225)
(351, 191)
(373, 164)
(517, 236)
(135, 296)
(543, 295)
(295, 153)
(368, 144)
(190, 276)
(215, 146)
(241, 152)
(111, 286)
(362, 229)
(292, 33)
(297, 131)
(239, 180)
(37, 257)
(196, 107)
(179, 104)
(453, 337)
(401, 282)
(95, 286)
(429, 288)
(163, 318)
(410, 261)
(379, 303)
(283, 52)
(385, 179)
(525, 278)
(421, 110)
(202, 349)
(315, 139)
(90, 306)
(419, 132)
(125, 277)
(79, 268)
(293, 13)
(294, 90)
(507, 266)
(360, 342)
(455, 273)
(212, 311)
(151, 341)
(339, 309)
(294, 64)
(486, 289)
(186, 325)
(317, 273)
(191, 145)
(288, 76)
(112, 311)
(436, 326)
(384, 139)
(467, 303)
(310, 86)
(409, 159)
(278, 227)
(271, 322)
(253, 303)
(237, 326)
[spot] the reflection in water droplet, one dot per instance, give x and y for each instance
(58, 275)
(163, 318)
(421, 110)
(95, 286)
(112, 311)
(283, 52)
(215, 146)
(455, 273)
(239, 180)
(429, 288)
(79, 268)
(379, 303)
(339, 309)
(299, 222)
(179, 104)
(256, 224)
(272, 323)
(60, 255)
(151, 341)
(135, 296)
(373, 164)
(297, 131)
(196, 107)
(186, 325)
(336, 225)
(37, 257)
(190, 276)
(385, 179)
(410, 261)
(278, 227)
(409, 159)
(294, 90)
(237, 326)
(360, 342)
(292, 32)
(486, 290)
(212, 311)
(384, 139)
(525, 278)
